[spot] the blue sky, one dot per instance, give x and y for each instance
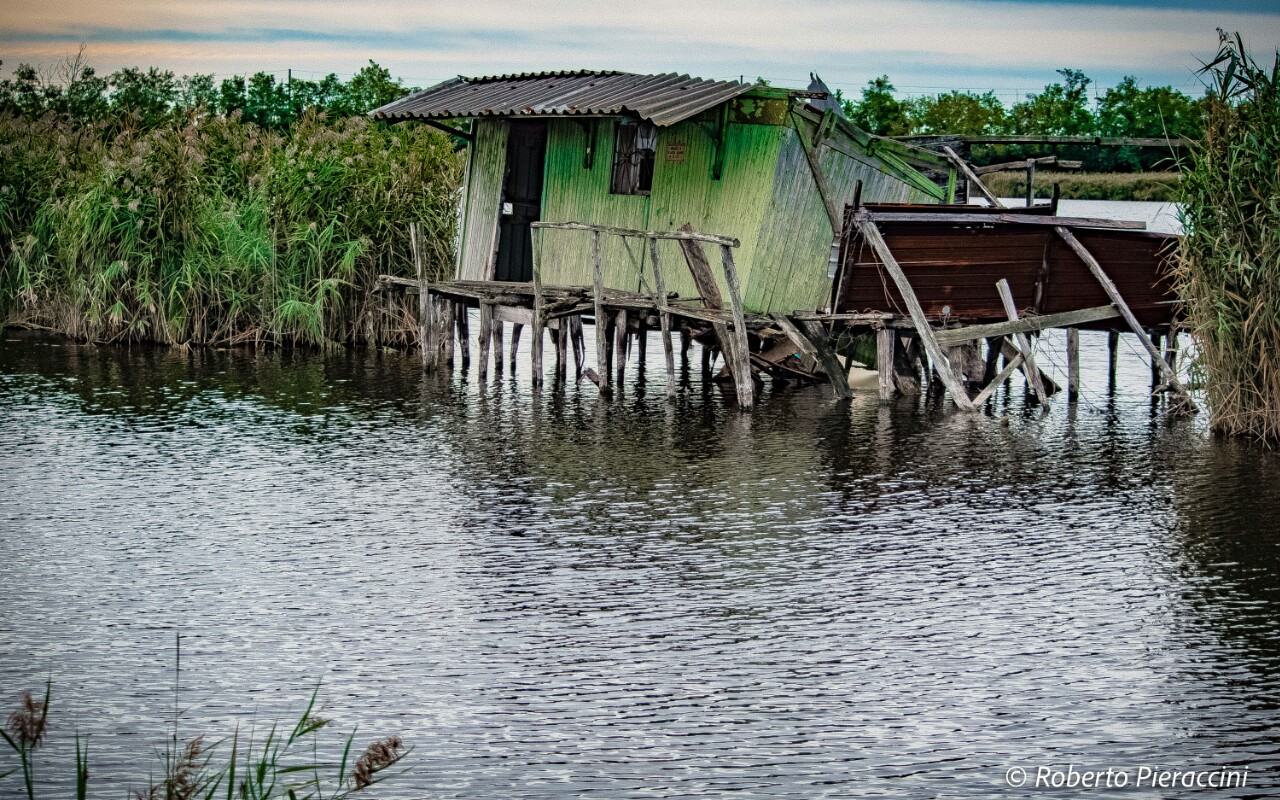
(925, 46)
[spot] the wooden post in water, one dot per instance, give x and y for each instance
(497, 346)
(462, 319)
(1073, 364)
(486, 336)
(579, 347)
(516, 330)
(884, 362)
(426, 330)
(1117, 299)
(446, 330)
(620, 342)
(602, 346)
(1029, 367)
(1113, 348)
(1155, 366)
(562, 354)
(539, 319)
(664, 318)
(741, 344)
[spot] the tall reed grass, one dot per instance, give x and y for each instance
(284, 764)
(1228, 271)
(212, 230)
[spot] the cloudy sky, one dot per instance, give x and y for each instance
(925, 46)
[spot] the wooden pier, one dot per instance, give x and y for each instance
(926, 312)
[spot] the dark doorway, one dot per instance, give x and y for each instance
(521, 199)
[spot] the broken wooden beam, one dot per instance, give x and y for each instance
(871, 234)
(951, 336)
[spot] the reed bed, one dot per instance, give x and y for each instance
(210, 230)
(1228, 270)
(1159, 186)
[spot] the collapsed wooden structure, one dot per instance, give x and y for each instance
(591, 196)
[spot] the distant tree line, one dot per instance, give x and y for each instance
(151, 97)
(1063, 108)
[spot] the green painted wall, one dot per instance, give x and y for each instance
(766, 197)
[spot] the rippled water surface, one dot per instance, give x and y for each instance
(556, 595)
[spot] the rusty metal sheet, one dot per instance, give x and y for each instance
(953, 269)
(663, 99)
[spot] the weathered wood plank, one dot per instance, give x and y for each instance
(1009, 369)
(951, 336)
(602, 346)
(486, 337)
(513, 314)
(972, 177)
(703, 277)
(681, 235)
(1024, 345)
(884, 362)
(742, 345)
(1012, 217)
(871, 234)
(818, 339)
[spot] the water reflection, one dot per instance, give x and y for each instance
(553, 595)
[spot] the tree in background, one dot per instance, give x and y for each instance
(1062, 109)
(963, 113)
(879, 111)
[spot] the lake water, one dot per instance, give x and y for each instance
(554, 595)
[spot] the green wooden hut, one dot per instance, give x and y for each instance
(765, 165)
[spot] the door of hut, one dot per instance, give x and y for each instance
(521, 199)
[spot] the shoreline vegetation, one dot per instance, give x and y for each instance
(128, 219)
(283, 763)
(142, 207)
(1228, 268)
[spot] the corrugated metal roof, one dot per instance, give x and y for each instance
(662, 99)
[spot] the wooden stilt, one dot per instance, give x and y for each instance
(884, 362)
(486, 337)
(462, 320)
(497, 346)
(1073, 364)
(562, 354)
(1029, 367)
(516, 330)
(707, 359)
(539, 321)
(664, 319)
(820, 349)
(579, 347)
(641, 342)
(906, 366)
(1156, 359)
(426, 329)
(1113, 348)
(742, 344)
(992, 362)
(1171, 378)
(446, 330)
(598, 295)
(686, 341)
(1171, 347)
(620, 342)
(871, 234)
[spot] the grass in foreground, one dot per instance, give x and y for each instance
(281, 766)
